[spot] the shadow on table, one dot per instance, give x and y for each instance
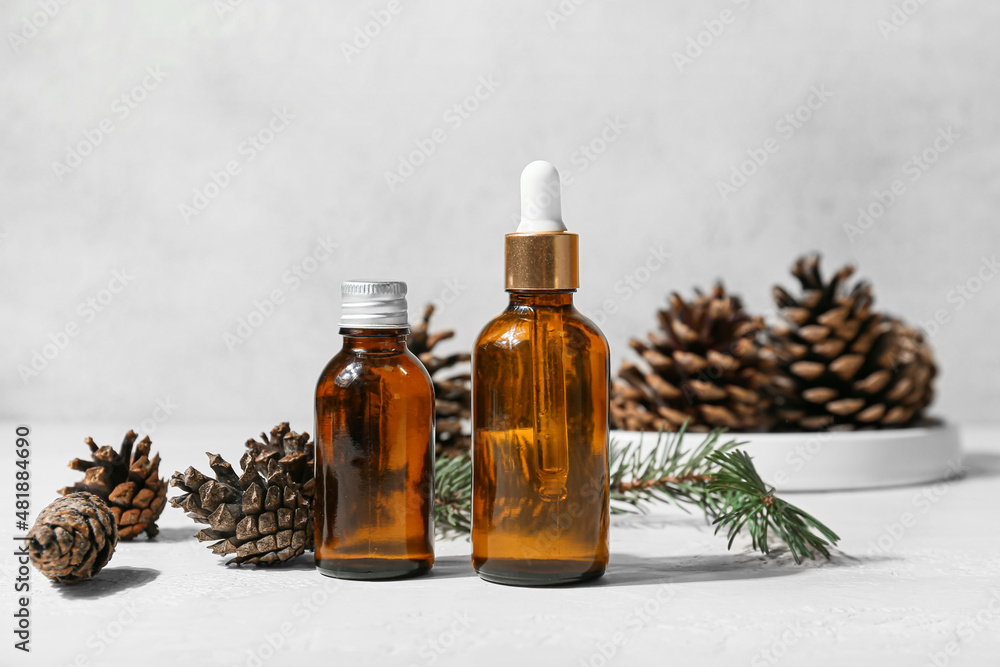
(109, 581)
(629, 570)
(981, 464)
(445, 567)
(301, 562)
(175, 534)
(639, 521)
(450, 567)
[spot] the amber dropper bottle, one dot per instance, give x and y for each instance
(540, 411)
(374, 444)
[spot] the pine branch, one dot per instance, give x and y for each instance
(667, 473)
(749, 502)
(453, 494)
(716, 477)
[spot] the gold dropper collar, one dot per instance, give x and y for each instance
(542, 261)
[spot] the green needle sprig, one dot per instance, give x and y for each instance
(715, 477)
(746, 501)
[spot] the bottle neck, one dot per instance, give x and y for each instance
(535, 299)
(375, 341)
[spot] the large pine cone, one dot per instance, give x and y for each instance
(127, 480)
(73, 538)
(841, 365)
(452, 390)
(262, 516)
(707, 364)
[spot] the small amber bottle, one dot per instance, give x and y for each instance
(540, 412)
(374, 444)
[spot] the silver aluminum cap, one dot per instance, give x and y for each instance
(370, 304)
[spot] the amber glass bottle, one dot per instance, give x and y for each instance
(540, 415)
(374, 445)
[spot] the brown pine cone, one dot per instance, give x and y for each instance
(842, 365)
(294, 452)
(127, 481)
(262, 516)
(73, 538)
(707, 365)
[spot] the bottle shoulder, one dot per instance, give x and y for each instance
(513, 326)
(346, 370)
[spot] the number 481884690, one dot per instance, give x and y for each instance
(22, 476)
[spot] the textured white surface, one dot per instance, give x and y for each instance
(672, 593)
(605, 76)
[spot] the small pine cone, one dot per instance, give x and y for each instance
(128, 481)
(841, 364)
(73, 538)
(262, 516)
(452, 391)
(708, 365)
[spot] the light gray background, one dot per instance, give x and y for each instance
(655, 185)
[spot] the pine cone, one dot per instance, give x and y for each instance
(73, 538)
(452, 391)
(262, 516)
(294, 452)
(841, 365)
(707, 364)
(127, 481)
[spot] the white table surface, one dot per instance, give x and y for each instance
(672, 591)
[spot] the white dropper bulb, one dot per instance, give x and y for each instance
(541, 199)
